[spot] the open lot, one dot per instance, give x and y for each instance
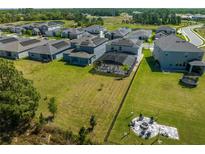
(158, 94)
(77, 92)
(113, 23)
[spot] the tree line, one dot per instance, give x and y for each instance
(157, 17)
(29, 14)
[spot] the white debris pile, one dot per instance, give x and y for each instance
(147, 128)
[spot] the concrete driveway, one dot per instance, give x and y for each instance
(193, 38)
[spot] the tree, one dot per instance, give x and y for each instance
(18, 98)
(52, 106)
(82, 135)
(41, 119)
(93, 122)
(125, 68)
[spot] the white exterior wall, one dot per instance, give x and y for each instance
(23, 54)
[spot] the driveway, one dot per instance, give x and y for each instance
(193, 38)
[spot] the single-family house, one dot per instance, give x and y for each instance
(54, 32)
(160, 34)
(72, 33)
(17, 29)
(86, 50)
(115, 63)
(125, 45)
(50, 26)
(140, 34)
(15, 48)
(174, 54)
(36, 31)
(120, 33)
(95, 29)
(166, 29)
(49, 51)
(120, 57)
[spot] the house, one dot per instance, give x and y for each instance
(115, 63)
(175, 54)
(17, 29)
(36, 31)
(120, 57)
(49, 51)
(160, 34)
(125, 45)
(16, 48)
(86, 50)
(95, 29)
(52, 33)
(50, 26)
(120, 33)
(140, 34)
(72, 33)
(166, 29)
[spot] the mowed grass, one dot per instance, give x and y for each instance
(77, 93)
(159, 94)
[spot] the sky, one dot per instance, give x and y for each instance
(102, 3)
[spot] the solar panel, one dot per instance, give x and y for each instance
(29, 42)
(8, 40)
(60, 44)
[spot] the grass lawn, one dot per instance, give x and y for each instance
(113, 23)
(77, 93)
(201, 31)
(159, 94)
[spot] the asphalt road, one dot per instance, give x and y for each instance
(193, 38)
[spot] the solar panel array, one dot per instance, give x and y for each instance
(60, 44)
(8, 40)
(29, 42)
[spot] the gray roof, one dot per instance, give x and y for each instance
(73, 31)
(121, 32)
(90, 41)
(117, 58)
(51, 47)
(197, 63)
(78, 54)
(140, 33)
(94, 29)
(126, 42)
(165, 28)
(160, 34)
(173, 43)
(18, 44)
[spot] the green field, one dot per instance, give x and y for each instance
(113, 23)
(159, 94)
(77, 93)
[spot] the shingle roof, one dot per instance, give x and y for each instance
(78, 54)
(121, 32)
(21, 45)
(94, 28)
(51, 47)
(126, 42)
(92, 41)
(117, 58)
(138, 33)
(164, 28)
(175, 44)
(73, 31)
